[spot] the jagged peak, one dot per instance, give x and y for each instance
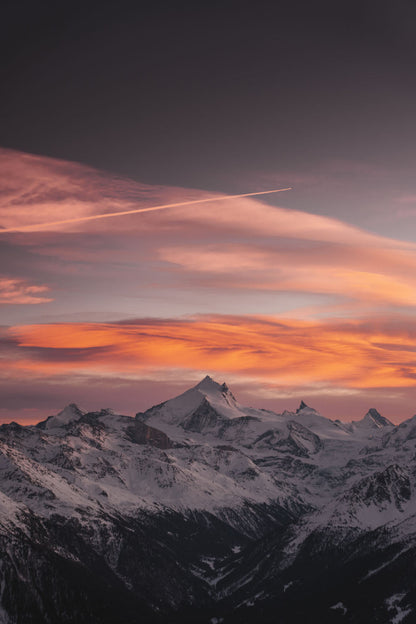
(374, 415)
(180, 408)
(302, 406)
(211, 387)
(375, 420)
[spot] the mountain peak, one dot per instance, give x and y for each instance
(214, 390)
(207, 383)
(301, 407)
(208, 395)
(70, 413)
(374, 420)
(70, 410)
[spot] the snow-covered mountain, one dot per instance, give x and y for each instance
(204, 509)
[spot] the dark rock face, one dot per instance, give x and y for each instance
(203, 418)
(302, 406)
(304, 439)
(143, 434)
(299, 441)
(391, 485)
(375, 420)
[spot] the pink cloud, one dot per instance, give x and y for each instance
(36, 189)
(368, 274)
(18, 291)
(242, 244)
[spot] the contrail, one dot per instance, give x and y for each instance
(108, 215)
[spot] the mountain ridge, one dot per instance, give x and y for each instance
(211, 492)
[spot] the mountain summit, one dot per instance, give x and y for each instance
(207, 384)
(374, 420)
(69, 414)
(208, 396)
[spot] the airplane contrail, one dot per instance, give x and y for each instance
(108, 215)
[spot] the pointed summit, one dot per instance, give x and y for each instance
(301, 407)
(208, 384)
(208, 395)
(212, 389)
(374, 420)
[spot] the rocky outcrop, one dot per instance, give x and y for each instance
(140, 433)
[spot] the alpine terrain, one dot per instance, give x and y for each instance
(201, 510)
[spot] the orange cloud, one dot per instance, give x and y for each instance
(18, 291)
(334, 354)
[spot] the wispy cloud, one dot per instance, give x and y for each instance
(364, 273)
(18, 291)
(35, 189)
(39, 227)
(237, 244)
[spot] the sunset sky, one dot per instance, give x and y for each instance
(309, 293)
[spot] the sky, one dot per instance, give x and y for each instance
(304, 294)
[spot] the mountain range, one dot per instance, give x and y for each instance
(203, 510)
